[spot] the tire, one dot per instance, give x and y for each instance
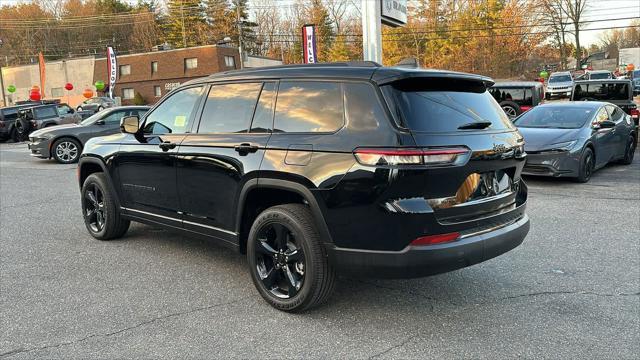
(295, 285)
(629, 151)
(511, 109)
(100, 108)
(22, 127)
(113, 226)
(66, 150)
(13, 134)
(79, 108)
(587, 164)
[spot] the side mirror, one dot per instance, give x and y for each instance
(130, 124)
(607, 124)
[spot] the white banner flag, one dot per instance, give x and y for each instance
(112, 69)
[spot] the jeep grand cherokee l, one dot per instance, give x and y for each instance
(317, 169)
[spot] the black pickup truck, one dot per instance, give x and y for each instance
(615, 91)
(16, 122)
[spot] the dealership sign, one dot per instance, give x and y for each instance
(309, 44)
(394, 12)
(112, 68)
(171, 86)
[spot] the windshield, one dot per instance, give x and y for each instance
(602, 91)
(600, 76)
(91, 119)
(564, 117)
(438, 110)
(560, 78)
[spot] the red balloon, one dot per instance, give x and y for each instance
(34, 95)
(69, 86)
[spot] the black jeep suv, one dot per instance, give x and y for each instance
(316, 169)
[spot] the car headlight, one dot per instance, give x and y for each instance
(562, 146)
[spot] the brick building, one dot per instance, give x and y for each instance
(155, 73)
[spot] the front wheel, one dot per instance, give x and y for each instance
(587, 164)
(630, 150)
(287, 260)
(66, 150)
(100, 108)
(101, 215)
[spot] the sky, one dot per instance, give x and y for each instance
(596, 10)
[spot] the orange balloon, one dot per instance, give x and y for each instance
(88, 93)
(35, 87)
(630, 67)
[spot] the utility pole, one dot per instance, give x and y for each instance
(4, 101)
(184, 37)
(371, 31)
(239, 34)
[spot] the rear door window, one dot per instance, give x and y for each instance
(615, 113)
(443, 108)
(229, 108)
(309, 106)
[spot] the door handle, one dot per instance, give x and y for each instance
(166, 145)
(246, 148)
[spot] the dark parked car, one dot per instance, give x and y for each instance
(96, 104)
(517, 97)
(38, 117)
(316, 169)
(618, 92)
(8, 116)
(64, 143)
(573, 139)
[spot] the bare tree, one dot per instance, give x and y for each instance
(554, 16)
(574, 9)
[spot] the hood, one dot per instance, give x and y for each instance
(53, 130)
(537, 139)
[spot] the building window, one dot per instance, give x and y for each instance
(128, 94)
(156, 91)
(57, 92)
(125, 70)
(190, 63)
(154, 67)
(230, 61)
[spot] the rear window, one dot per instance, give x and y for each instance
(9, 114)
(440, 108)
(520, 96)
(600, 76)
(45, 112)
(601, 91)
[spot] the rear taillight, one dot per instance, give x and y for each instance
(435, 239)
(635, 113)
(412, 156)
(525, 108)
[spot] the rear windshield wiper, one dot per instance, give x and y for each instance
(475, 125)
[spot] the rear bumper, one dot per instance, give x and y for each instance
(418, 261)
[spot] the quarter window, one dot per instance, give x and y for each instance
(602, 115)
(229, 108)
(173, 116)
(615, 113)
(309, 106)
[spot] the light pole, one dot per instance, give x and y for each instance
(371, 31)
(239, 34)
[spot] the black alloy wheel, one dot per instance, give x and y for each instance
(630, 151)
(100, 210)
(94, 208)
(287, 260)
(587, 166)
(279, 260)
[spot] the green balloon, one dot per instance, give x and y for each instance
(99, 85)
(544, 74)
(11, 88)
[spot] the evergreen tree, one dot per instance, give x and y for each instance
(184, 22)
(221, 19)
(248, 27)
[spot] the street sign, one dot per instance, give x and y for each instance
(394, 12)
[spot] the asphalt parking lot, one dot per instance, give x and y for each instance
(572, 290)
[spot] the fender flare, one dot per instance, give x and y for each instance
(97, 161)
(295, 187)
